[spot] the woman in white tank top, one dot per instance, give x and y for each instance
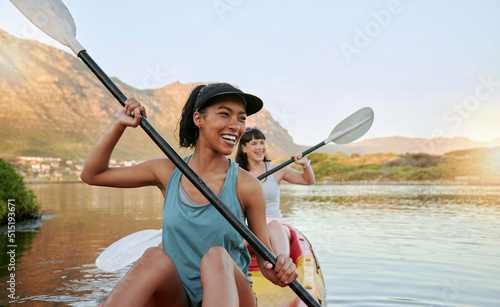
(251, 156)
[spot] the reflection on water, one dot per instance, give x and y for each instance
(58, 267)
(378, 245)
(403, 245)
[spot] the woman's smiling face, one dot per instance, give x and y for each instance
(255, 149)
(222, 124)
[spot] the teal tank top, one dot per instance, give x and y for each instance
(190, 230)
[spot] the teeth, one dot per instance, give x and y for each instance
(229, 137)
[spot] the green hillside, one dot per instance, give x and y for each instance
(473, 166)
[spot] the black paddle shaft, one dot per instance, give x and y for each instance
(195, 180)
(277, 168)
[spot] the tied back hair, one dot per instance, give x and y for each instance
(241, 157)
(188, 131)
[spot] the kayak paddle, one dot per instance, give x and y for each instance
(54, 18)
(127, 250)
(348, 130)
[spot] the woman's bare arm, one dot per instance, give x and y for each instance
(252, 197)
(97, 171)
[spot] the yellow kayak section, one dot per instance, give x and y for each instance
(310, 275)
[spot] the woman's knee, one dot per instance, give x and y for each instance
(274, 224)
(216, 257)
(153, 253)
(276, 227)
(155, 258)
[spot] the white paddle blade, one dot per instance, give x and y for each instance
(127, 250)
(53, 18)
(352, 128)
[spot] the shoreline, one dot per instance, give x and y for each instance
(423, 182)
(326, 182)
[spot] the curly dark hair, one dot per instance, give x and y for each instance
(188, 131)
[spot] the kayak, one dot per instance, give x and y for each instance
(310, 275)
(268, 294)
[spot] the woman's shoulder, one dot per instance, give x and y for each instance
(279, 174)
(162, 168)
(248, 189)
(245, 177)
(246, 183)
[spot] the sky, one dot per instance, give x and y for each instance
(427, 68)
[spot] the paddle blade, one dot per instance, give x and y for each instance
(53, 18)
(352, 128)
(128, 249)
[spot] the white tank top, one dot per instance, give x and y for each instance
(272, 193)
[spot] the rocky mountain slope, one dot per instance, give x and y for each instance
(52, 105)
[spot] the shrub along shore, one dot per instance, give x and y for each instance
(16, 202)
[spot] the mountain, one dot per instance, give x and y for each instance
(54, 106)
(403, 145)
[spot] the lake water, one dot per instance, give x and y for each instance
(401, 245)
